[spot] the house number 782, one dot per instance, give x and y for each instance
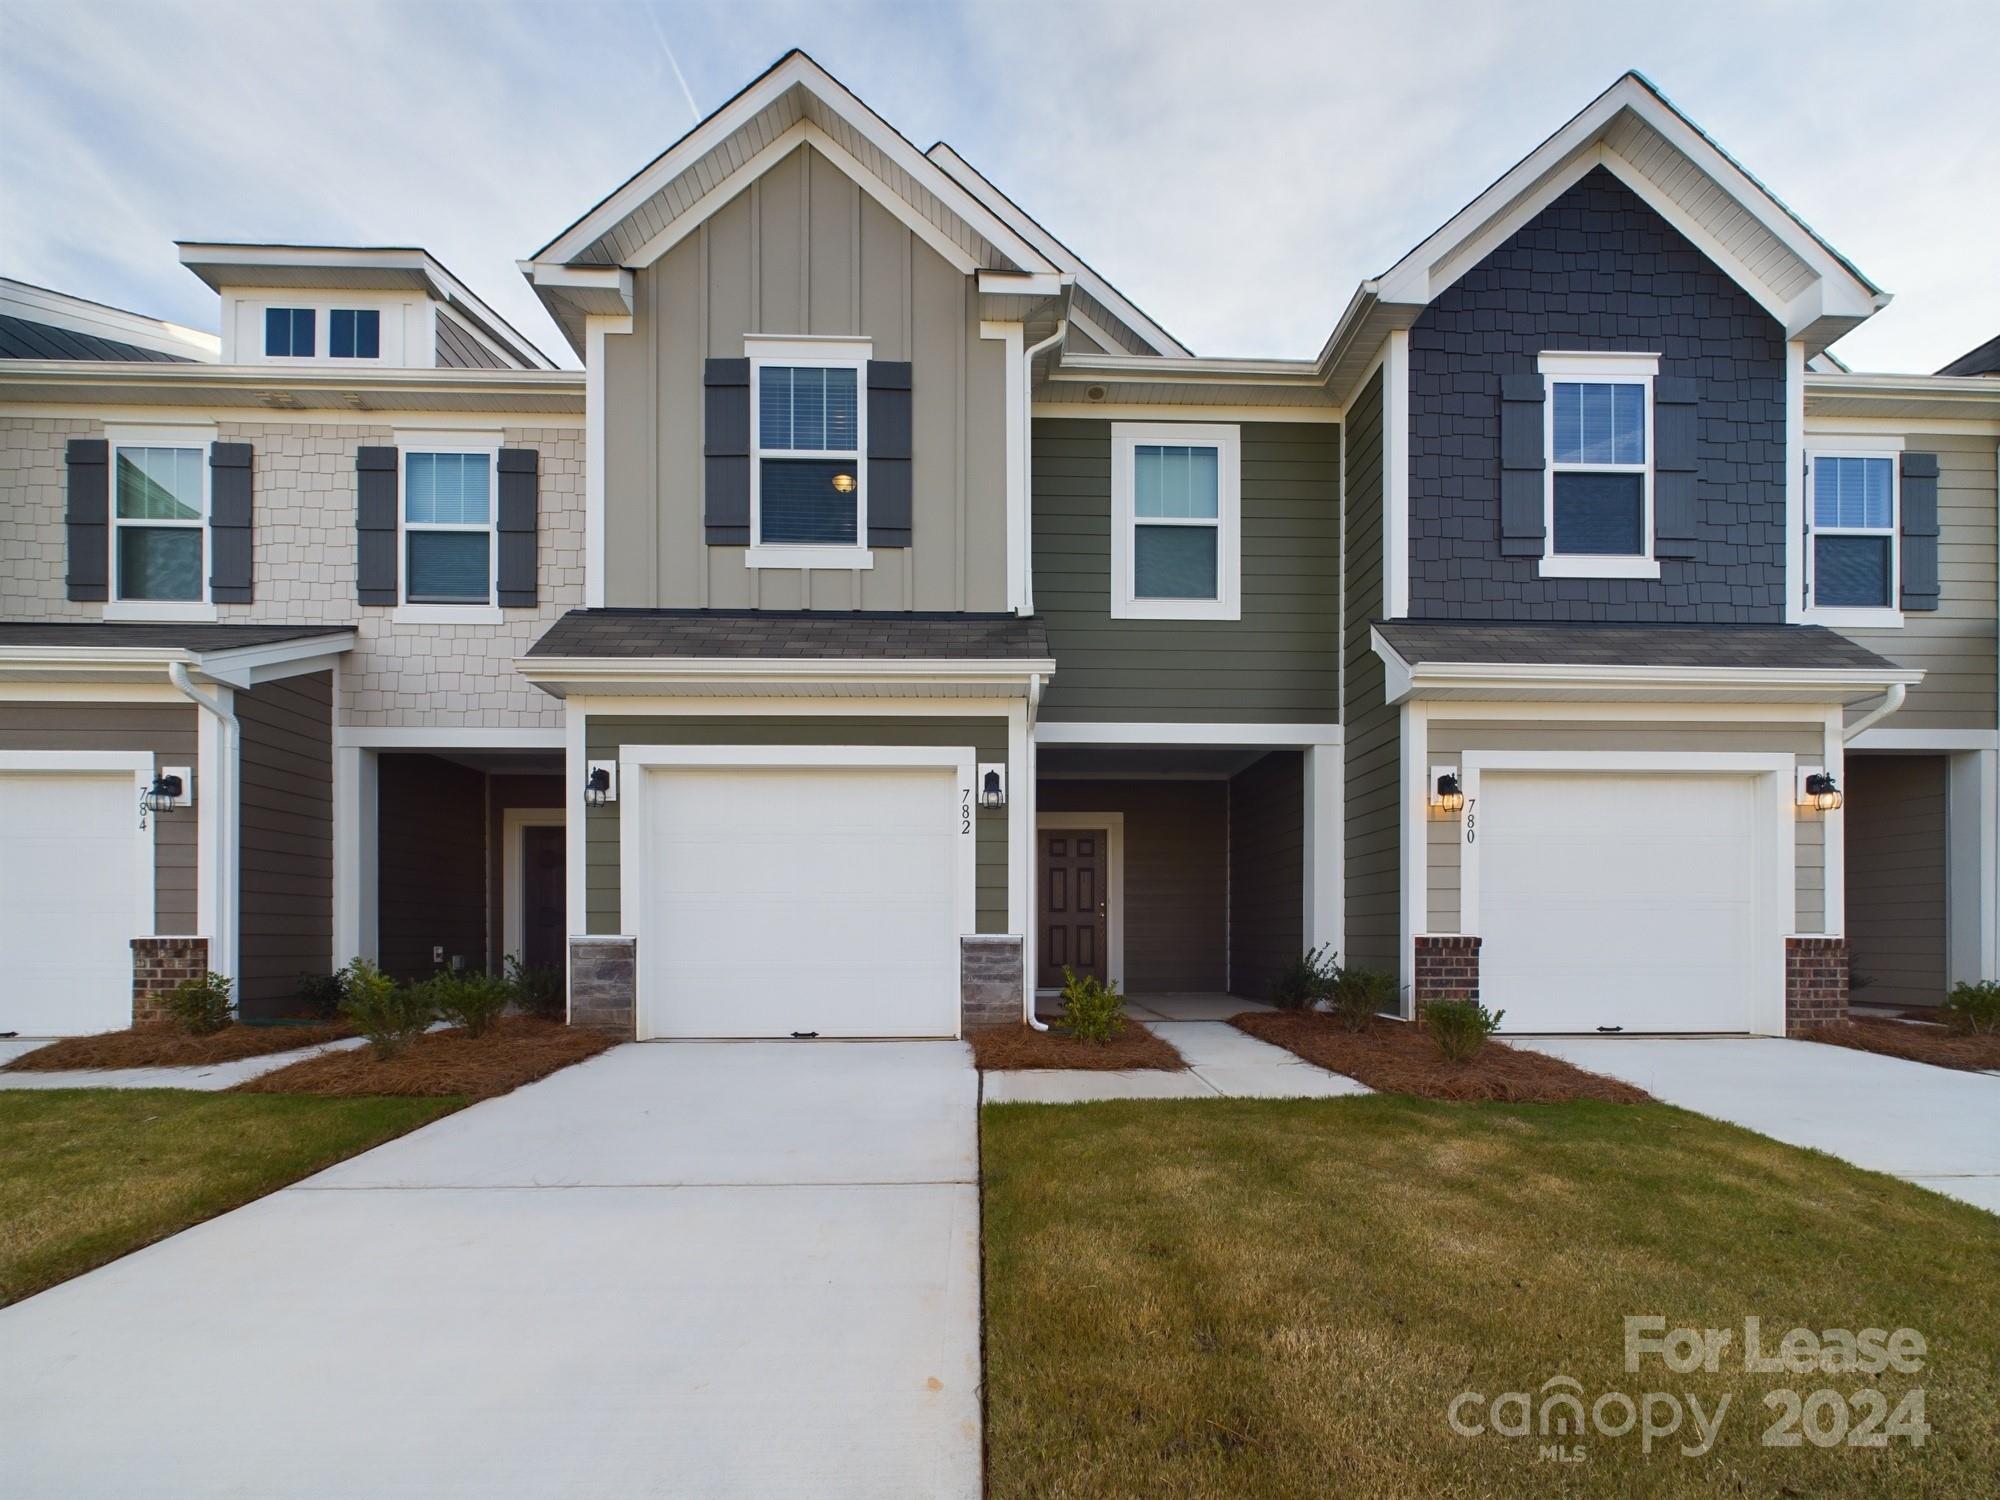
(965, 810)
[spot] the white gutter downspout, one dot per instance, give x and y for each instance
(222, 785)
(1891, 701)
(1028, 955)
(1028, 480)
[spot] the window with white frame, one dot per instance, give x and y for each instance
(448, 531)
(808, 485)
(1599, 500)
(1851, 557)
(354, 333)
(1176, 521)
(288, 332)
(159, 521)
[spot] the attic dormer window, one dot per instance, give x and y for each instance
(354, 333)
(288, 332)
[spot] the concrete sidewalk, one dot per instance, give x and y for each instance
(208, 1078)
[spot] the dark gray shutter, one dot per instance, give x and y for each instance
(375, 566)
(1920, 531)
(229, 487)
(726, 439)
(519, 472)
(888, 453)
(1675, 465)
(88, 518)
(1522, 533)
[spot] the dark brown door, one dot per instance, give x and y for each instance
(543, 895)
(1072, 904)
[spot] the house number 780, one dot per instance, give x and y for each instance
(1472, 820)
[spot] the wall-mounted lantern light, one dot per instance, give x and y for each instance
(1819, 790)
(600, 783)
(1446, 793)
(993, 786)
(171, 788)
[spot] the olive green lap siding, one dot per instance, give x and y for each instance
(1372, 763)
(1278, 664)
(170, 731)
(604, 736)
(287, 823)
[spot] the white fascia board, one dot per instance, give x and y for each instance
(1429, 680)
(246, 666)
(1118, 732)
(795, 70)
(560, 675)
(242, 667)
(1023, 283)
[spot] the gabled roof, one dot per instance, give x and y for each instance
(352, 268)
(1985, 360)
(37, 323)
(238, 655)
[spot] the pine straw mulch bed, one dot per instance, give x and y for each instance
(1398, 1058)
(164, 1047)
(1005, 1048)
(1924, 1043)
(518, 1050)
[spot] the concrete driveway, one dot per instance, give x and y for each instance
(1932, 1126)
(712, 1269)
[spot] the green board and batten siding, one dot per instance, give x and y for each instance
(1280, 663)
(1372, 834)
(605, 735)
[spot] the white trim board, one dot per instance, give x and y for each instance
(1277, 736)
(447, 737)
(1113, 824)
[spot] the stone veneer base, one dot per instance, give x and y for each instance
(604, 984)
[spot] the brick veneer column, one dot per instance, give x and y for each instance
(158, 964)
(604, 984)
(1447, 969)
(989, 980)
(1815, 982)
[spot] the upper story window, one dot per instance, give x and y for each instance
(1599, 496)
(1852, 563)
(448, 533)
(1176, 522)
(354, 333)
(288, 332)
(808, 480)
(158, 523)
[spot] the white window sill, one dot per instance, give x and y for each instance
(160, 611)
(1887, 618)
(1580, 565)
(1176, 609)
(446, 614)
(809, 557)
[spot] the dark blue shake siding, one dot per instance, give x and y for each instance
(1596, 269)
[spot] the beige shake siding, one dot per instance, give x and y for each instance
(803, 250)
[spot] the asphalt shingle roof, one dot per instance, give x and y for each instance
(83, 635)
(801, 634)
(1486, 642)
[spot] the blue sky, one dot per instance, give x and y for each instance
(1236, 168)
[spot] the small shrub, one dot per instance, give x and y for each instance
(201, 1007)
(319, 995)
(1306, 980)
(390, 1015)
(471, 1000)
(1973, 1008)
(1460, 1027)
(1359, 995)
(1092, 1010)
(539, 992)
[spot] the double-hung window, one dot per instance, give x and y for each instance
(1852, 563)
(808, 481)
(1599, 502)
(1176, 514)
(448, 532)
(159, 518)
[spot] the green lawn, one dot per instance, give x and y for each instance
(88, 1175)
(1282, 1298)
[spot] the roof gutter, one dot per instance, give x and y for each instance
(1891, 701)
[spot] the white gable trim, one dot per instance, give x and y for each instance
(796, 70)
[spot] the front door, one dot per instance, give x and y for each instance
(543, 897)
(1072, 904)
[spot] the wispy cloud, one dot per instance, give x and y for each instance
(1236, 168)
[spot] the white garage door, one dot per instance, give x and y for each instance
(68, 902)
(801, 900)
(1622, 901)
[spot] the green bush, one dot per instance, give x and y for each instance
(472, 1000)
(390, 1015)
(1092, 1010)
(201, 1006)
(319, 995)
(1306, 980)
(1460, 1027)
(1359, 995)
(1973, 1007)
(539, 992)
